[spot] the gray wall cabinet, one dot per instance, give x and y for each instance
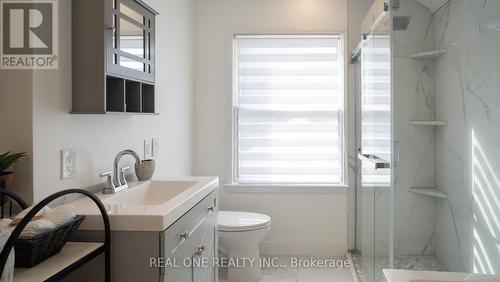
(113, 57)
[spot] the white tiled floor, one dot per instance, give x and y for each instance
(324, 275)
(291, 274)
(416, 262)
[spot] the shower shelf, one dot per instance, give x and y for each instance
(429, 122)
(432, 192)
(429, 54)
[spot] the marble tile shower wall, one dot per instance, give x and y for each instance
(414, 99)
(468, 149)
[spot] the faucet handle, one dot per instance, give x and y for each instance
(106, 173)
(109, 187)
(123, 181)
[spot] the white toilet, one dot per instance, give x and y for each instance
(239, 235)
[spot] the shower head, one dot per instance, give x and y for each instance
(400, 23)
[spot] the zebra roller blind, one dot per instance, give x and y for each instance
(288, 108)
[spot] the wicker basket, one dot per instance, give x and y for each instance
(31, 251)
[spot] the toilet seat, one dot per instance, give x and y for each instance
(230, 221)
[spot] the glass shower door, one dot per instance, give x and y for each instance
(374, 154)
(383, 148)
(365, 192)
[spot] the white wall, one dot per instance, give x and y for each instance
(97, 138)
(303, 223)
(16, 126)
(413, 99)
(468, 156)
(358, 10)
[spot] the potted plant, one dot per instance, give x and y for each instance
(6, 161)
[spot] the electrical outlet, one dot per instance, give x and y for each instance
(68, 163)
(147, 149)
(156, 147)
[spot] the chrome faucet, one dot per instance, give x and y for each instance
(116, 180)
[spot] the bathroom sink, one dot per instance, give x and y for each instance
(146, 205)
(150, 193)
(433, 276)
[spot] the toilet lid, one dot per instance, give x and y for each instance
(241, 221)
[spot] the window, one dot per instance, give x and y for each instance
(288, 110)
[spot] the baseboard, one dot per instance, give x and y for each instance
(313, 250)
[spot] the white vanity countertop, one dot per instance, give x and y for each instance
(393, 275)
(147, 205)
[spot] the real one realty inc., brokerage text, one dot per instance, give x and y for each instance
(270, 262)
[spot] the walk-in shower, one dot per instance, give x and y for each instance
(428, 125)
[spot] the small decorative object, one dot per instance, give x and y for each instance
(6, 161)
(145, 170)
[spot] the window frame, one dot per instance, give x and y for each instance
(344, 149)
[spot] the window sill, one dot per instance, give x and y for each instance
(287, 188)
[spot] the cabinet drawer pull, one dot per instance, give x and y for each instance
(185, 235)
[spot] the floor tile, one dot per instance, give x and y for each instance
(324, 275)
(302, 274)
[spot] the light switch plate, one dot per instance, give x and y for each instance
(68, 163)
(156, 147)
(147, 149)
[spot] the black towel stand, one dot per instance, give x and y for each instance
(105, 248)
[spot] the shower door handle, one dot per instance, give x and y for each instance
(378, 162)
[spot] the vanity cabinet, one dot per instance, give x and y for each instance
(160, 231)
(113, 57)
(190, 245)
